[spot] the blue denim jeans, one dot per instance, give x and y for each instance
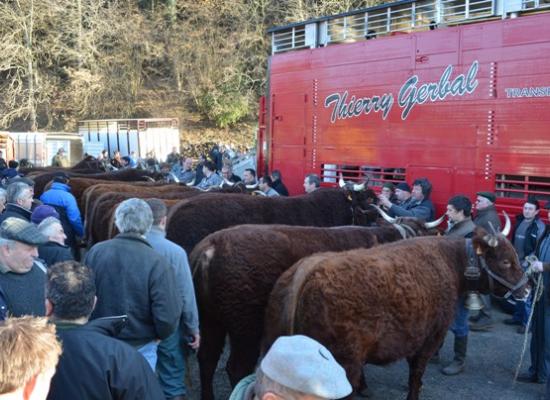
(149, 352)
(171, 365)
(460, 323)
(522, 310)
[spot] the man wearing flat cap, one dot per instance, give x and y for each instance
(295, 367)
(21, 279)
(486, 217)
(486, 213)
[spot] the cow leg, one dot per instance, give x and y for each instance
(362, 390)
(418, 363)
(242, 358)
(212, 343)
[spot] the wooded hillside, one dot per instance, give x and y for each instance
(203, 61)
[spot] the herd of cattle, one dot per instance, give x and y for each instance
(323, 264)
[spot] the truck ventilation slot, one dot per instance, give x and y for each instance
(529, 5)
(376, 175)
(386, 19)
(522, 186)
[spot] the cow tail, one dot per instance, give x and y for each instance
(295, 288)
(200, 263)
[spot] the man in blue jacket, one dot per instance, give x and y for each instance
(60, 197)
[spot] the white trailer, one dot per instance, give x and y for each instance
(142, 136)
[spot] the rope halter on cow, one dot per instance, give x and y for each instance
(477, 263)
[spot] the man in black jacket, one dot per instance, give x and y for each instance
(278, 184)
(133, 279)
(93, 365)
(527, 231)
(18, 201)
(55, 250)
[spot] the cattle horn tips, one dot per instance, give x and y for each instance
(250, 187)
(434, 224)
(384, 215)
(359, 188)
(341, 182)
(227, 182)
(507, 225)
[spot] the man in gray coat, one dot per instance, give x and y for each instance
(133, 279)
(171, 360)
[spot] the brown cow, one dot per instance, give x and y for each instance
(192, 220)
(235, 269)
(103, 209)
(41, 180)
(390, 302)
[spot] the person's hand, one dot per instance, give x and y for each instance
(537, 266)
(384, 200)
(195, 344)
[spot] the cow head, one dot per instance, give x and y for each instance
(501, 270)
(361, 199)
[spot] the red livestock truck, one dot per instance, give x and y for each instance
(457, 91)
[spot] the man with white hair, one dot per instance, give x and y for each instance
(18, 201)
(54, 250)
(295, 367)
(133, 279)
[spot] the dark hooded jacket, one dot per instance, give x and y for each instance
(95, 366)
(53, 252)
(15, 211)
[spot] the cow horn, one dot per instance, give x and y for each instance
(175, 179)
(148, 178)
(434, 224)
(507, 224)
(192, 183)
(386, 217)
(359, 188)
(250, 187)
(258, 193)
(228, 182)
(341, 182)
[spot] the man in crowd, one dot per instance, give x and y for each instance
(311, 183)
(60, 160)
(21, 279)
(278, 184)
(249, 176)
(3, 164)
(174, 157)
(55, 249)
(94, 365)
(420, 206)
(487, 218)
(486, 213)
(3, 195)
(295, 367)
(18, 202)
(227, 174)
(540, 339)
(171, 358)
(211, 178)
(403, 194)
(266, 186)
(60, 197)
(10, 172)
(29, 352)
(184, 170)
(460, 223)
(527, 231)
(133, 279)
